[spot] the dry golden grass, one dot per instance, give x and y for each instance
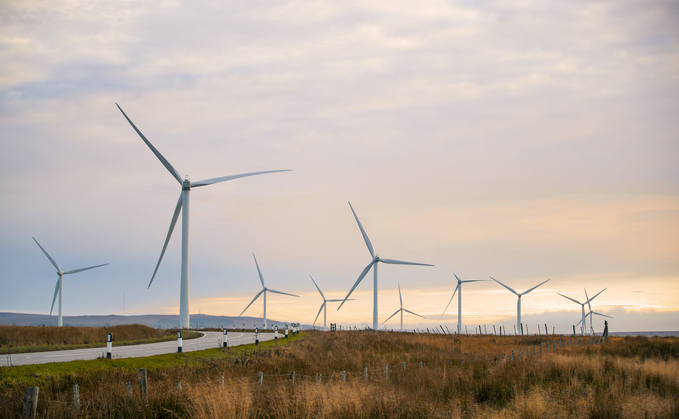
(69, 335)
(621, 378)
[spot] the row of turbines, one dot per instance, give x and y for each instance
(182, 207)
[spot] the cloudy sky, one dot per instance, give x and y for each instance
(526, 140)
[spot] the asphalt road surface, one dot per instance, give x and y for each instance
(208, 340)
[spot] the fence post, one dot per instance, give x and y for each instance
(512, 358)
(143, 383)
(318, 378)
(292, 377)
(260, 378)
(386, 371)
(30, 403)
(221, 381)
(533, 350)
(520, 352)
(404, 366)
(504, 358)
(365, 373)
(344, 376)
(420, 364)
(179, 386)
(494, 331)
(128, 386)
(76, 397)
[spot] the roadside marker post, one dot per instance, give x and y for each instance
(109, 345)
(225, 340)
(179, 341)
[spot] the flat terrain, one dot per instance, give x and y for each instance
(368, 374)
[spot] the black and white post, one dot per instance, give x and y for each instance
(109, 345)
(179, 341)
(225, 340)
(256, 336)
(286, 331)
(275, 333)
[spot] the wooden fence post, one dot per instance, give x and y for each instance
(404, 366)
(318, 378)
(128, 386)
(344, 376)
(30, 403)
(143, 383)
(76, 397)
(221, 381)
(292, 377)
(260, 378)
(386, 371)
(512, 358)
(179, 386)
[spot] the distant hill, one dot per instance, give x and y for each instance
(198, 321)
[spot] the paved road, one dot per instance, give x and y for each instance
(208, 340)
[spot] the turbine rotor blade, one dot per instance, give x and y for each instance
(319, 312)
(162, 159)
(177, 210)
(337, 301)
(358, 281)
(575, 301)
(399, 295)
(597, 294)
(444, 258)
(47, 254)
(401, 262)
(253, 300)
(73, 271)
(281, 292)
(408, 311)
(365, 236)
(526, 292)
(602, 315)
(510, 289)
(319, 290)
(231, 177)
(395, 313)
(451, 300)
(56, 291)
(261, 278)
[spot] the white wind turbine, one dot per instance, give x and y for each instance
(323, 306)
(372, 263)
(263, 291)
(518, 304)
(401, 310)
(583, 321)
(59, 289)
(458, 290)
(183, 206)
(591, 313)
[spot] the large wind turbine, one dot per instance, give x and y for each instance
(374, 261)
(323, 306)
(591, 313)
(518, 304)
(401, 310)
(183, 206)
(59, 289)
(458, 290)
(582, 327)
(263, 291)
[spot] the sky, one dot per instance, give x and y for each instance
(523, 140)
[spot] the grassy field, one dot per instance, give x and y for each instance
(459, 377)
(23, 339)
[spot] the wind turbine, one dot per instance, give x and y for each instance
(374, 262)
(402, 310)
(323, 306)
(582, 331)
(183, 206)
(518, 304)
(591, 313)
(59, 289)
(263, 291)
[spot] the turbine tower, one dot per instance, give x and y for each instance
(323, 306)
(518, 304)
(401, 310)
(263, 291)
(458, 289)
(59, 289)
(582, 327)
(373, 262)
(183, 206)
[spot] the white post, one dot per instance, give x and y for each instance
(179, 341)
(184, 321)
(275, 333)
(225, 340)
(109, 344)
(256, 336)
(286, 331)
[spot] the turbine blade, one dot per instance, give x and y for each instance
(337, 301)
(365, 236)
(253, 300)
(56, 291)
(395, 313)
(451, 300)
(597, 294)
(444, 258)
(177, 210)
(472, 280)
(399, 295)
(526, 292)
(73, 271)
(575, 301)
(261, 278)
(319, 290)
(231, 177)
(47, 254)
(589, 305)
(401, 262)
(162, 159)
(408, 311)
(602, 315)
(319, 313)
(358, 281)
(281, 292)
(504, 285)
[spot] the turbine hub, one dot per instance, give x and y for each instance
(186, 185)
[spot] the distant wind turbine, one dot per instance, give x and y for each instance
(263, 291)
(592, 313)
(59, 289)
(372, 263)
(183, 206)
(583, 321)
(323, 306)
(458, 289)
(402, 310)
(518, 304)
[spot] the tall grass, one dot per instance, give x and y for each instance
(459, 378)
(68, 335)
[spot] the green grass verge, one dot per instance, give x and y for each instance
(49, 348)
(40, 374)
